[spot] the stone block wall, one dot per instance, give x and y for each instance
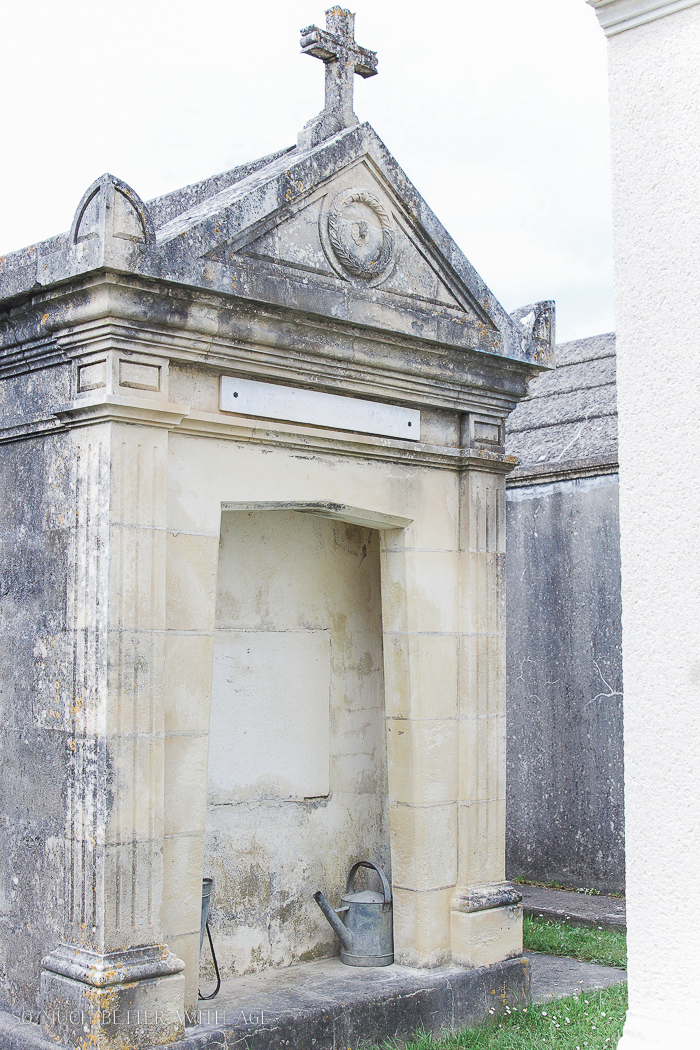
(565, 812)
(564, 681)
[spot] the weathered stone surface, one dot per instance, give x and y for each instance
(328, 1005)
(567, 424)
(581, 909)
(565, 758)
(555, 976)
(342, 57)
(212, 245)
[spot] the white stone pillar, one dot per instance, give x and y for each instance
(654, 68)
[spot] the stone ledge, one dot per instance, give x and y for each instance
(328, 1005)
(567, 470)
(580, 909)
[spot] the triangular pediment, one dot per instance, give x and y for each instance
(339, 231)
(355, 229)
(336, 232)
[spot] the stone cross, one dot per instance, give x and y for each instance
(336, 47)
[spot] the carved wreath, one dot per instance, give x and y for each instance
(358, 267)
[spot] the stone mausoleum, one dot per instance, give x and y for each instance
(252, 549)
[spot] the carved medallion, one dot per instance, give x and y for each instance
(359, 235)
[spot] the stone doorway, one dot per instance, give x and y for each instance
(297, 781)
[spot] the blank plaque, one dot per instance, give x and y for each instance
(247, 397)
(270, 704)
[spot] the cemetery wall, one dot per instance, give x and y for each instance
(565, 809)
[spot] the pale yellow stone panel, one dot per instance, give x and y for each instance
(137, 786)
(395, 584)
(439, 427)
(189, 385)
(482, 938)
(482, 759)
(186, 947)
(423, 846)
(139, 476)
(420, 591)
(136, 665)
(431, 499)
(422, 927)
(185, 780)
(482, 593)
(191, 582)
(188, 668)
(482, 836)
(228, 471)
(137, 577)
(423, 759)
(482, 676)
(133, 896)
(183, 858)
(420, 675)
(483, 520)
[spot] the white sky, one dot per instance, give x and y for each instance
(496, 110)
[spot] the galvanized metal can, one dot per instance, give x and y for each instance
(369, 919)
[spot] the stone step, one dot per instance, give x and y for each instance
(554, 976)
(581, 909)
(326, 1005)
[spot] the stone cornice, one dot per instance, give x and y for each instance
(110, 408)
(616, 16)
(103, 311)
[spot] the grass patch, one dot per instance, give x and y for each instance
(521, 880)
(589, 1021)
(589, 891)
(608, 947)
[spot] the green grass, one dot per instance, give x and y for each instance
(590, 1021)
(521, 880)
(589, 891)
(580, 942)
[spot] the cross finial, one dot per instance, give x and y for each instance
(336, 47)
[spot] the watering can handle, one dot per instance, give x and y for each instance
(386, 888)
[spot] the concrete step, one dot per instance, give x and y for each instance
(554, 976)
(581, 909)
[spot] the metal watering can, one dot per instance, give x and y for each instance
(366, 933)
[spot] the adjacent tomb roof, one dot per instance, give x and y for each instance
(568, 422)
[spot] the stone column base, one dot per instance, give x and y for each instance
(650, 1033)
(131, 998)
(486, 924)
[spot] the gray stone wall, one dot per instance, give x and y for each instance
(34, 747)
(565, 817)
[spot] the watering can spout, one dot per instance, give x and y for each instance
(340, 929)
